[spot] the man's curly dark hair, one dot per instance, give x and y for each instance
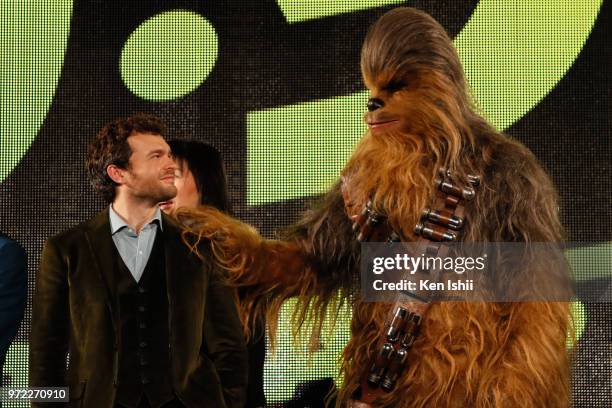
(110, 146)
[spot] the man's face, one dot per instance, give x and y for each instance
(187, 191)
(150, 175)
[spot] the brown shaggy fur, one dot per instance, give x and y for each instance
(468, 354)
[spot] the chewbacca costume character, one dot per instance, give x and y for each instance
(468, 354)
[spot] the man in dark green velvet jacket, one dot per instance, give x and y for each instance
(146, 323)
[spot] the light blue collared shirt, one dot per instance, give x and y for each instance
(135, 249)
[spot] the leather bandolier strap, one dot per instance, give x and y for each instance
(439, 224)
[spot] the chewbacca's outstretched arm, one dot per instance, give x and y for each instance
(320, 247)
(316, 259)
(250, 259)
(265, 272)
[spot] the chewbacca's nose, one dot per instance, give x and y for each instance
(375, 103)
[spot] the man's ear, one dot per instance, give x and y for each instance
(116, 173)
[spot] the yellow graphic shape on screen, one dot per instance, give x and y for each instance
(15, 368)
(296, 11)
(579, 319)
(34, 37)
(298, 150)
(169, 55)
(590, 262)
(514, 54)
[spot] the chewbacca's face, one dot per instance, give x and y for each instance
(394, 103)
(381, 114)
(413, 73)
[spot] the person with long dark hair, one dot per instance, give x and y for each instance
(200, 177)
(200, 180)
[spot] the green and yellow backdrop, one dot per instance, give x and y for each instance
(276, 87)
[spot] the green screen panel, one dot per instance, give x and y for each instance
(514, 53)
(591, 262)
(34, 36)
(579, 318)
(165, 70)
(296, 150)
(296, 11)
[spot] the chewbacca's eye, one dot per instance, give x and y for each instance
(394, 86)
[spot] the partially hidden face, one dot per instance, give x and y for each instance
(187, 192)
(150, 175)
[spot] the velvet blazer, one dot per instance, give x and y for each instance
(75, 312)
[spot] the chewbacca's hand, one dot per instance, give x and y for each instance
(350, 206)
(240, 250)
(210, 223)
(232, 241)
(370, 226)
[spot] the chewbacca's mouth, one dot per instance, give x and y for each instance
(382, 124)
